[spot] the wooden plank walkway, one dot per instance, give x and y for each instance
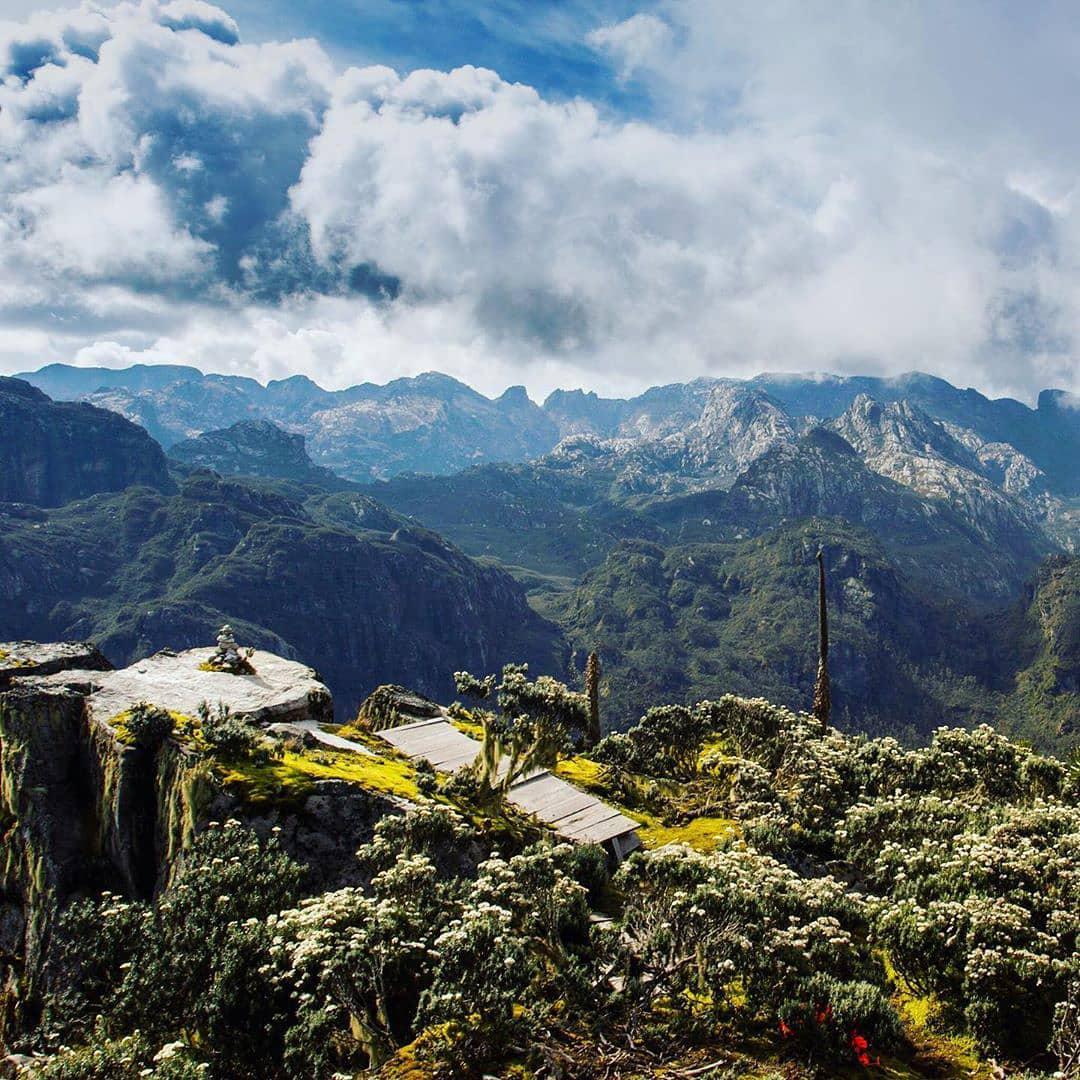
(570, 812)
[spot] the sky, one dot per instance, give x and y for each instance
(592, 193)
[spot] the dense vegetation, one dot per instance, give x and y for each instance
(335, 580)
(846, 902)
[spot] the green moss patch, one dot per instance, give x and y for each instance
(291, 778)
(185, 728)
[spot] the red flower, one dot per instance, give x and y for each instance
(861, 1048)
(786, 1031)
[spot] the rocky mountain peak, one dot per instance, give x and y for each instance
(737, 425)
(253, 448)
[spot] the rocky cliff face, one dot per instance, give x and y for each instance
(900, 441)
(82, 813)
(54, 452)
(1042, 665)
(257, 448)
(84, 810)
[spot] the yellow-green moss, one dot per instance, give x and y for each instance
(702, 834)
(243, 669)
(917, 1013)
(292, 777)
(582, 772)
(468, 727)
(184, 726)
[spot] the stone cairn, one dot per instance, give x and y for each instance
(229, 657)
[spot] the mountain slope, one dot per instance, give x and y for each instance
(54, 452)
(334, 580)
(696, 620)
(1044, 705)
(255, 448)
(823, 476)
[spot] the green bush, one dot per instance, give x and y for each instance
(148, 726)
(227, 736)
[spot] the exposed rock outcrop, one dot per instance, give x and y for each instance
(255, 448)
(84, 809)
(279, 691)
(54, 452)
(22, 658)
(388, 706)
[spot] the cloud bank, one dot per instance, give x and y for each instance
(813, 189)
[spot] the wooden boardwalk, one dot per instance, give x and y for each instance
(573, 814)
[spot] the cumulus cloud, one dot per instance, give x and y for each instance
(638, 42)
(816, 188)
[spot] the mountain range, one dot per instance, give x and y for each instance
(676, 531)
(434, 424)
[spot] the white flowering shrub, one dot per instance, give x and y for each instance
(420, 948)
(965, 855)
(743, 937)
(859, 870)
(187, 961)
(131, 1057)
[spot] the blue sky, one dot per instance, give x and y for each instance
(605, 194)
(542, 44)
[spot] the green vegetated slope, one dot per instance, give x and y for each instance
(1046, 692)
(705, 592)
(534, 517)
(699, 620)
(807, 904)
(334, 580)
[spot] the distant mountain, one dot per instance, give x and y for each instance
(675, 531)
(255, 448)
(434, 424)
(727, 429)
(691, 585)
(430, 423)
(54, 452)
(334, 580)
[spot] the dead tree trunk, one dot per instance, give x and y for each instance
(822, 689)
(592, 690)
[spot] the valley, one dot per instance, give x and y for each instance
(675, 533)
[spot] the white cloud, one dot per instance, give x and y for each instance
(634, 43)
(823, 187)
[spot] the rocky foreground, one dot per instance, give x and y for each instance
(86, 807)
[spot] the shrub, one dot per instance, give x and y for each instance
(147, 725)
(226, 736)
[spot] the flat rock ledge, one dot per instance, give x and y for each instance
(280, 691)
(22, 658)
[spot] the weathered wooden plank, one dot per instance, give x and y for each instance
(572, 813)
(582, 820)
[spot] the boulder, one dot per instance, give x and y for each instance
(21, 658)
(279, 690)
